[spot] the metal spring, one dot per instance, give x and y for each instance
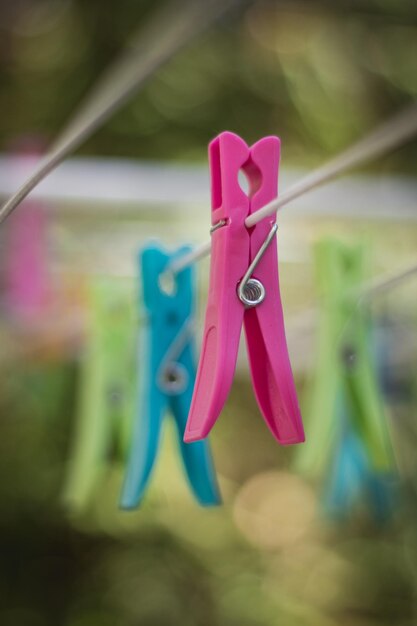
(253, 293)
(174, 379)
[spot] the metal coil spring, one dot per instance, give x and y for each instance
(252, 293)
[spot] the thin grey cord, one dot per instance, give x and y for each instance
(391, 134)
(167, 33)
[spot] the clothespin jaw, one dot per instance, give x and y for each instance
(167, 374)
(235, 250)
(264, 325)
(105, 404)
(230, 258)
(344, 363)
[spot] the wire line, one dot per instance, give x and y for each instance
(168, 32)
(390, 135)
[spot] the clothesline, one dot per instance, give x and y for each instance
(373, 287)
(70, 329)
(391, 134)
(141, 61)
(381, 284)
(168, 32)
(119, 187)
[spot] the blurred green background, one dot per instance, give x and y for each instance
(320, 75)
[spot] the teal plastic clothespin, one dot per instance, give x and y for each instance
(352, 479)
(106, 391)
(167, 372)
(344, 366)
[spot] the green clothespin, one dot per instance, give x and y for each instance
(344, 369)
(106, 393)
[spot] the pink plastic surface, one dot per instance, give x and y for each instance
(26, 270)
(26, 276)
(233, 248)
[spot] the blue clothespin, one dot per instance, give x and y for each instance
(167, 373)
(346, 476)
(352, 478)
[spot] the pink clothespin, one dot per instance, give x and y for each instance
(26, 265)
(26, 271)
(244, 289)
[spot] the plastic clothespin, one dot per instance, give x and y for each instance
(106, 391)
(244, 289)
(167, 372)
(352, 479)
(26, 281)
(26, 277)
(344, 365)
